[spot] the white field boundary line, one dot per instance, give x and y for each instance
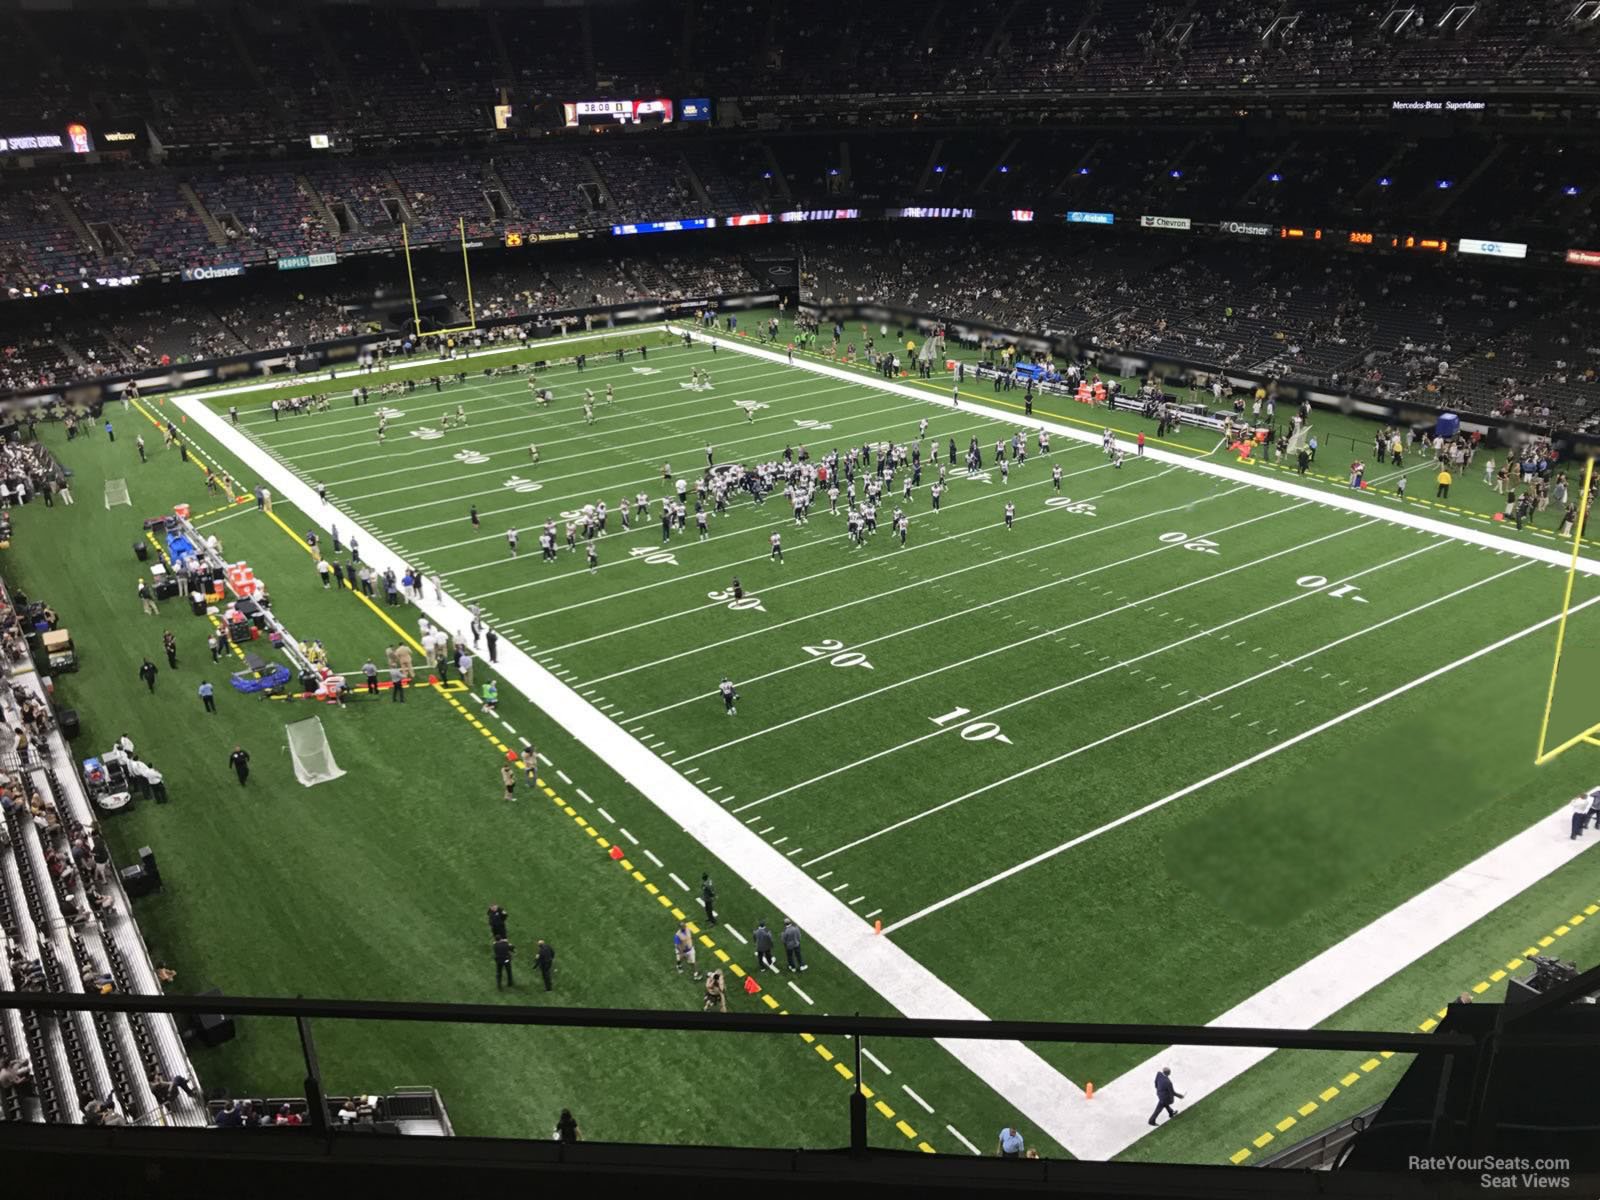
(1321, 987)
(724, 568)
(1056, 631)
(308, 378)
(1076, 680)
(1189, 789)
(1268, 483)
(1030, 1085)
(877, 596)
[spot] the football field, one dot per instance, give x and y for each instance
(1133, 755)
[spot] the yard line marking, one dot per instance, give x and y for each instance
(957, 1134)
(823, 876)
(1079, 679)
(840, 888)
(799, 993)
(875, 1061)
(1048, 633)
(584, 794)
(781, 841)
(1260, 756)
(627, 835)
(925, 1105)
(739, 937)
(677, 881)
(793, 852)
(1266, 481)
(562, 775)
(872, 914)
(612, 819)
(1088, 620)
(647, 853)
(916, 584)
(858, 900)
(723, 568)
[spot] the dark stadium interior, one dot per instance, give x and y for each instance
(1388, 208)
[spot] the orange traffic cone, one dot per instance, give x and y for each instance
(877, 926)
(1088, 1091)
(511, 756)
(616, 852)
(750, 984)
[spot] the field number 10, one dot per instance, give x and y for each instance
(975, 731)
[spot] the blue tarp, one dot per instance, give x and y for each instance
(274, 676)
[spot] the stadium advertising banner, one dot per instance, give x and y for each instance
(664, 226)
(617, 112)
(739, 219)
(1584, 258)
(1248, 228)
(819, 214)
(74, 139)
(1091, 218)
(1437, 106)
(221, 271)
(1148, 222)
(1493, 249)
(1022, 214)
(694, 110)
(296, 262)
(931, 213)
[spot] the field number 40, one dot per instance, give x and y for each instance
(833, 650)
(973, 731)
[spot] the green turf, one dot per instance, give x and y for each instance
(375, 885)
(1075, 631)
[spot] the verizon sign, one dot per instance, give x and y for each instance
(1165, 222)
(1584, 258)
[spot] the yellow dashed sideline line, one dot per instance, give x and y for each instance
(1427, 1025)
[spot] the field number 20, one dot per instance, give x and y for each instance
(833, 650)
(973, 731)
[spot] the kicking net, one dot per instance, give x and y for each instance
(313, 758)
(117, 492)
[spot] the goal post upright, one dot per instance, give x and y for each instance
(1543, 754)
(411, 284)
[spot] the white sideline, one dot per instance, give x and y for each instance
(1334, 979)
(1270, 483)
(1035, 1089)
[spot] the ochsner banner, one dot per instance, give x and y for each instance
(1165, 222)
(227, 271)
(1247, 227)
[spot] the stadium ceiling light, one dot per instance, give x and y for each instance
(1570, 190)
(1385, 181)
(1443, 185)
(1175, 173)
(1275, 178)
(1004, 170)
(939, 170)
(1083, 170)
